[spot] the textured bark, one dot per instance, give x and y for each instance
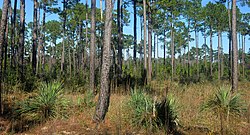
(164, 47)
(149, 45)
(211, 51)
(7, 42)
(119, 37)
(92, 46)
(145, 39)
(43, 37)
(243, 56)
(197, 49)
(229, 41)
(63, 40)
(12, 37)
(2, 41)
(21, 39)
(235, 50)
(104, 95)
(172, 51)
(34, 39)
(219, 46)
(188, 48)
(135, 34)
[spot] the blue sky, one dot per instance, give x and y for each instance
(129, 29)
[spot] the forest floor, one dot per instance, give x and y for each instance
(189, 97)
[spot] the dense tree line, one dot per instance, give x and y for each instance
(65, 49)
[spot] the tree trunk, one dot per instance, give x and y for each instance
(188, 48)
(43, 37)
(12, 37)
(235, 50)
(2, 42)
(86, 33)
(197, 49)
(21, 39)
(119, 37)
(63, 40)
(7, 42)
(92, 47)
(164, 47)
(219, 45)
(243, 56)
(104, 95)
(145, 40)
(135, 28)
(34, 47)
(172, 51)
(211, 52)
(149, 45)
(229, 42)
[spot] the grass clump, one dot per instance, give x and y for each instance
(87, 101)
(224, 104)
(167, 113)
(150, 114)
(48, 102)
(141, 106)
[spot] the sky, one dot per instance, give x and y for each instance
(129, 29)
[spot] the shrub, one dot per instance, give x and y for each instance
(167, 113)
(224, 104)
(48, 102)
(142, 110)
(87, 101)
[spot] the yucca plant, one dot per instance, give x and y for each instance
(45, 104)
(167, 113)
(141, 107)
(224, 104)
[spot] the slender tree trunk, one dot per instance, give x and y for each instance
(92, 47)
(172, 51)
(34, 47)
(197, 49)
(164, 47)
(229, 42)
(211, 52)
(86, 33)
(235, 50)
(135, 27)
(63, 40)
(12, 37)
(243, 56)
(3, 39)
(149, 45)
(43, 37)
(21, 39)
(119, 37)
(219, 45)
(7, 42)
(101, 10)
(188, 48)
(39, 42)
(104, 95)
(145, 40)
(221, 57)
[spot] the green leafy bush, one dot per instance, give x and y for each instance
(141, 107)
(224, 104)
(167, 113)
(87, 101)
(48, 102)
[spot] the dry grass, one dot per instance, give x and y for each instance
(117, 121)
